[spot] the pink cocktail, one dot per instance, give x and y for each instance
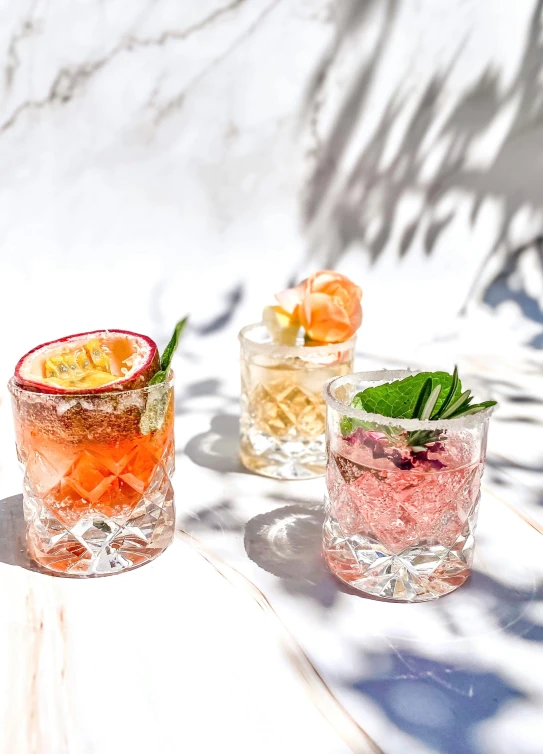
(400, 522)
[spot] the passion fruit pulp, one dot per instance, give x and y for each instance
(94, 362)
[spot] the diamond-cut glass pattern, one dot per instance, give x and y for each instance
(283, 411)
(419, 573)
(401, 534)
(283, 407)
(94, 520)
(97, 507)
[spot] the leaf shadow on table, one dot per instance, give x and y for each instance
(218, 447)
(221, 517)
(514, 461)
(508, 605)
(500, 463)
(439, 703)
(13, 549)
(516, 482)
(210, 387)
(287, 542)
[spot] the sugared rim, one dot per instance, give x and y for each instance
(386, 375)
(15, 389)
(292, 351)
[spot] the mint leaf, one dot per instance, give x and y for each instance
(357, 402)
(157, 377)
(425, 396)
(348, 425)
(170, 349)
(167, 356)
(399, 399)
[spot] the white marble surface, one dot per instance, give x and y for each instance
(245, 621)
(163, 157)
(170, 657)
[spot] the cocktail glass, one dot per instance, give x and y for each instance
(400, 523)
(98, 497)
(283, 412)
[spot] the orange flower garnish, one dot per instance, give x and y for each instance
(326, 305)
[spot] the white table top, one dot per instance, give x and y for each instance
(238, 639)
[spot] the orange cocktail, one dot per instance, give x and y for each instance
(97, 489)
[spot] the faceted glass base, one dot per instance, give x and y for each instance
(283, 458)
(96, 544)
(415, 574)
(100, 546)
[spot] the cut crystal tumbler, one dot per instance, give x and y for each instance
(282, 407)
(98, 496)
(400, 522)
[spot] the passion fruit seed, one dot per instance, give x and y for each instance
(97, 355)
(85, 367)
(101, 361)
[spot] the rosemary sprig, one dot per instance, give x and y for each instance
(449, 409)
(450, 394)
(424, 395)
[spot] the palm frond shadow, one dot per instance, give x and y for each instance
(352, 202)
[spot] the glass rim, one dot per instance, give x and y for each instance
(383, 375)
(16, 389)
(284, 350)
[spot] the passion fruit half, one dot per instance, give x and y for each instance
(102, 361)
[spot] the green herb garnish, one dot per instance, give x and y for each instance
(157, 400)
(400, 399)
(348, 425)
(167, 356)
(425, 396)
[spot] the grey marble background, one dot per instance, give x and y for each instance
(162, 156)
